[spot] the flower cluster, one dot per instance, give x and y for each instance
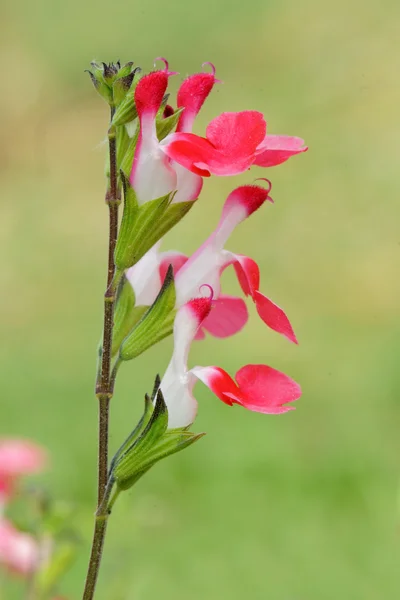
(162, 164)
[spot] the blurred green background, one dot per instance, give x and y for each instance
(298, 507)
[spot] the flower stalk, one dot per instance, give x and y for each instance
(104, 385)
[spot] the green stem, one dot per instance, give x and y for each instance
(103, 383)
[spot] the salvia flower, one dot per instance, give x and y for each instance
(229, 313)
(19, 552)
(258, 387)
(153, 174)
(18, 458)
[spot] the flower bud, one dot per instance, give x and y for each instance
(111, 80)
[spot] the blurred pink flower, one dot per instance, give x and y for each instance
(19, 552)
(18, 458)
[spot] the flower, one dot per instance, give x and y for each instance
(19, 552)
(153, 175)
(229, 313)
(258, 387)
(234, 142)
(18, 458)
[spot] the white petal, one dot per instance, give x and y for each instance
(177, 383)
(144, 277)
(152, 175)
(188, 184)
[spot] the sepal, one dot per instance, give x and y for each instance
(143, 225)
(156, 324)
(126, 314)
(102, 88)
(126, 110)
(138, 232)
(153, 443)
(166, 125)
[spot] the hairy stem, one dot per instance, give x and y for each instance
(103, 384)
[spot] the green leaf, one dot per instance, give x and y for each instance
(165, 126)
(156, 323)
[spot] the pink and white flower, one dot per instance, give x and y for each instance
(18, 458)
(258, 387)
(234, 142)
(205, 267)
(153, 175)
(19, 552)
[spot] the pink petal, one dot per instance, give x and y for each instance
(264, 389)
(276, 149)
(237, 134)
(274, 316)
(20, 457)
(191, 95)
(18, 551)
(228, 316)
(219, 382)
(248, 274)
(198, 155)
(176, 259)
(260, 388)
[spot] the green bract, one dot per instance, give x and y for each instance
(126, 314)
(149, 442)
(156, 323)
(165, 126)
(143, 225)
